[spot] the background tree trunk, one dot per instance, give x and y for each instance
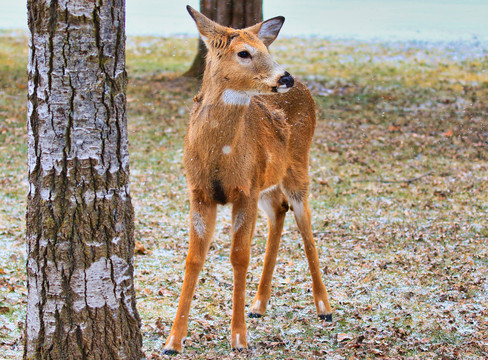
(234, 13)
(80, 226)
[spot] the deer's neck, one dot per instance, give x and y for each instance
(219, 116)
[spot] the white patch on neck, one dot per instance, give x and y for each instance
(234, 97)
(198, 224)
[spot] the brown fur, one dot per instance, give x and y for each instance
(244, 154)
(267, 139)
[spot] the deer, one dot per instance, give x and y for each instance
(247, 144)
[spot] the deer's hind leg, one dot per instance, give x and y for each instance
(274, 204)
(297, 194)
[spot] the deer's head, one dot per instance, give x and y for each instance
(239, 60)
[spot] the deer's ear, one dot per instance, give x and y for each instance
(210, 31)
(268, 30)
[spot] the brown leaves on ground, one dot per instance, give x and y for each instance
(140, 249)
(398, 190)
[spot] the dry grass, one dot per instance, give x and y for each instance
(399, 192)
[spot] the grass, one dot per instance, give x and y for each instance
(399, 193)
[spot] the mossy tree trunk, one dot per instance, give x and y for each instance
(234, 13)
(80, 219)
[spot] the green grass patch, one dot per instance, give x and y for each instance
(399, 195)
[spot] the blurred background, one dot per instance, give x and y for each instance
(424, 20)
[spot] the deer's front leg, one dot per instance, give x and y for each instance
(201, 231)
(243, 220)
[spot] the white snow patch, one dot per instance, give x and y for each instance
(226, 149)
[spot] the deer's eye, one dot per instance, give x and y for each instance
(244, 54)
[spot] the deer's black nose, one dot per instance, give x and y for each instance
(287, 80)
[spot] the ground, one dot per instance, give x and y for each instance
(399, 195)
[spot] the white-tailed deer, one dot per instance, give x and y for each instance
(247, 144)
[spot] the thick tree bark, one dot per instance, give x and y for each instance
(234, 13)
(80, 227)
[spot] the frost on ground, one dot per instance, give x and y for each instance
(399, 195)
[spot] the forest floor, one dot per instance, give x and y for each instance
(399, 195)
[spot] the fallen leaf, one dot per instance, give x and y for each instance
(141, 249)
(343, 337)
(448, 133)
(376, 351)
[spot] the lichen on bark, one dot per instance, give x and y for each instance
(80, 219)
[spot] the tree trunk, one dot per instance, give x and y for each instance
(234, 13)
(80, 219)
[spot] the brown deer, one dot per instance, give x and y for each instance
(247, 144)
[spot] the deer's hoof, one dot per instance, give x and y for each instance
(327, 317)
(255, 315)
(170, 352)
(239, 349)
